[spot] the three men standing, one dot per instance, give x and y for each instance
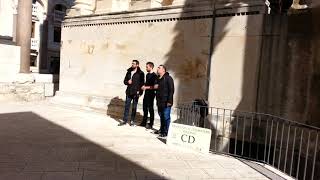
(161, 86)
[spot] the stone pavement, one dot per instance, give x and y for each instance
(40, 141)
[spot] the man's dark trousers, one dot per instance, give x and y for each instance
(135, 99)
(164, 113)
(148, 102)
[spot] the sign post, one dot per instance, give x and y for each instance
(189, 137)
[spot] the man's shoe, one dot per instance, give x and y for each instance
(132, 123)
(122, 123)
(162, 136)
(143, 124)
(156, 132)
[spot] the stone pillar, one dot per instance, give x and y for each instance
(82, 7)
(44, 47)
(15, 19)
(24, 33)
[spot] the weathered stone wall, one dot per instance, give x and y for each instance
(264, 63)
(235, 62)
(9, 62)
(289, 73)
(22, 92)
(95, 57)
(107, 6)
(313, 103)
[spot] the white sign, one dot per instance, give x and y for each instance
(189, 137)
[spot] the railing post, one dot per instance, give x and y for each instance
(275, 144)
(306, 161)
(243, 133)
(251, 136)
(298, 166)
(269, 152)
(288, 139)
(314, 157)
(280, 145)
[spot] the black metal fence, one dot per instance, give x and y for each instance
(289, 146)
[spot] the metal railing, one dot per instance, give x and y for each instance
(289, 146)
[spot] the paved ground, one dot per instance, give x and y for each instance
(39, 141)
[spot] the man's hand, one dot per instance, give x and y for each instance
(130, 81)
(156, 86)
(143, 88)
(169, 104)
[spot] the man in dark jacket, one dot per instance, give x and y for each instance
(149, 95)
(134, 80)
(164, 94)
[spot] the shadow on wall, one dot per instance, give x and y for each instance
(188, 57)
(314, 103)
(36, 147)
(289, 83)
(275, 73)
(115, 110)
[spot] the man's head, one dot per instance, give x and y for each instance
(149, 66)
(162, 70)
(135, 64)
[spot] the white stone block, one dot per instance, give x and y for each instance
(9, 62)
(48, 89)
(23, 78)
(43, 78)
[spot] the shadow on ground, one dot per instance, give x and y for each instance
(115, 110)
(35, 148)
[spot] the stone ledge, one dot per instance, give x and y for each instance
(26, 91)
(135, 16)
(111, 106)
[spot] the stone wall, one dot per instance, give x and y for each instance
(289, 73)
(22, 92)
(9, 62)
(235, 62)
(7, 10)
(21, 87)
(105, 49)
(238, 58)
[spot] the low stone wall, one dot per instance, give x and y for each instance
(28, 87)
(111, 106)
(9, 62)
(22, 92)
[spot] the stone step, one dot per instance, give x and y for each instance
(112, 107)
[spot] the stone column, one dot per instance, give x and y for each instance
(82, 7)
(24, 26)
(15, 19)
(44, 47)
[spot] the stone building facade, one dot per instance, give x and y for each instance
(243, 55)
(45, 28)
(30, 37)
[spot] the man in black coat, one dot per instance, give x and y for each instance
(164, 94)
(149, 95)
(134, 80)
